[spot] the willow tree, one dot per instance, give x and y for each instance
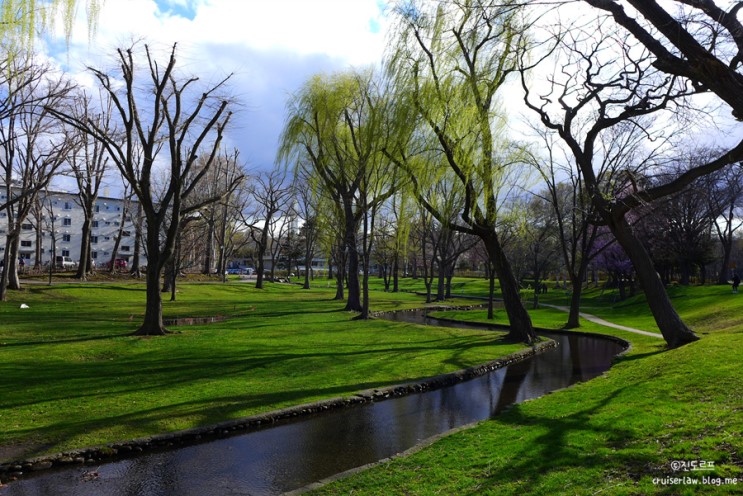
(335, 125)
(22, 20)
(451, 61)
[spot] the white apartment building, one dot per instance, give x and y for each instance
(66, 229)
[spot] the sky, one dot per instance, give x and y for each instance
(271, 46)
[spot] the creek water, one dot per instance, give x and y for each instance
(292, 454)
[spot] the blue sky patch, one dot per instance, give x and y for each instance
(185, 9)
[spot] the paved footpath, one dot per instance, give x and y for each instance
(600, 321)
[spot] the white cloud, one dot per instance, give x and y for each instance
(351, 30)
(272, 46)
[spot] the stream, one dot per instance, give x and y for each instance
(292, 454)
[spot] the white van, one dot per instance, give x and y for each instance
(65, 263)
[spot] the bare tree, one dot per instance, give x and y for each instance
(725, 205)
(32, 147)
(308, 211)
(589, 96)
(270, 194)
(89, 163)
(214, 217)
(575, 215)
(161, 117)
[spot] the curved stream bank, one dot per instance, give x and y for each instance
(292, 448)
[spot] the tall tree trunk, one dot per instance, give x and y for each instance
(441, 281)
(14, 282)
(353, 303)
(674, 330)
(262, 246)
(209, 246)
(153, 316)
(491, 292)
(396, 273)
(521, 328)
(135, 269)
(307, 266)
(724, 274)
(577, 285)
(38, 243)
(83, 266)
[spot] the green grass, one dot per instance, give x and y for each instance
(613, 435)
(71, 375)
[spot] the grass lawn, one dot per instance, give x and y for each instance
(618, 434)
(71, 376)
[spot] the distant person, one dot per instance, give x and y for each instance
(736, 282)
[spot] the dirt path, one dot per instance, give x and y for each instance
(600, 321)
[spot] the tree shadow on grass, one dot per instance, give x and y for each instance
(554, 451)
(640, 356)
(64, 341)
(98, 376)
(197, 413)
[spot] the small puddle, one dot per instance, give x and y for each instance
(292, 454)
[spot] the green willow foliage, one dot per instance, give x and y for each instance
(22, 20)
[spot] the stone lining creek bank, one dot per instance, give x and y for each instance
(295, 447)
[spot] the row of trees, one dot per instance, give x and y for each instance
(431, 130)
(429, 137)
(161, 132)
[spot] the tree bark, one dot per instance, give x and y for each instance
(674, 330)
(521, 328)
(353, 303)
(83, 266)
(577, 283)
(153, 316)
(396, 273)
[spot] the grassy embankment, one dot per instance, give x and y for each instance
(71, 376)
(613, 435)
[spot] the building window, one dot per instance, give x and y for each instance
(125, 248)
(27, 227)
(66, 238)
(94, 223)
(94, 239)
(26, 255)
(106, 238)
(97, 208)
(65, 253)
(26, 244)
(94, 255)
(67, 205)
(117, 223)
(126, 234)
(108, 223)
(67, 221)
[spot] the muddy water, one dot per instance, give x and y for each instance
(292, 454)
